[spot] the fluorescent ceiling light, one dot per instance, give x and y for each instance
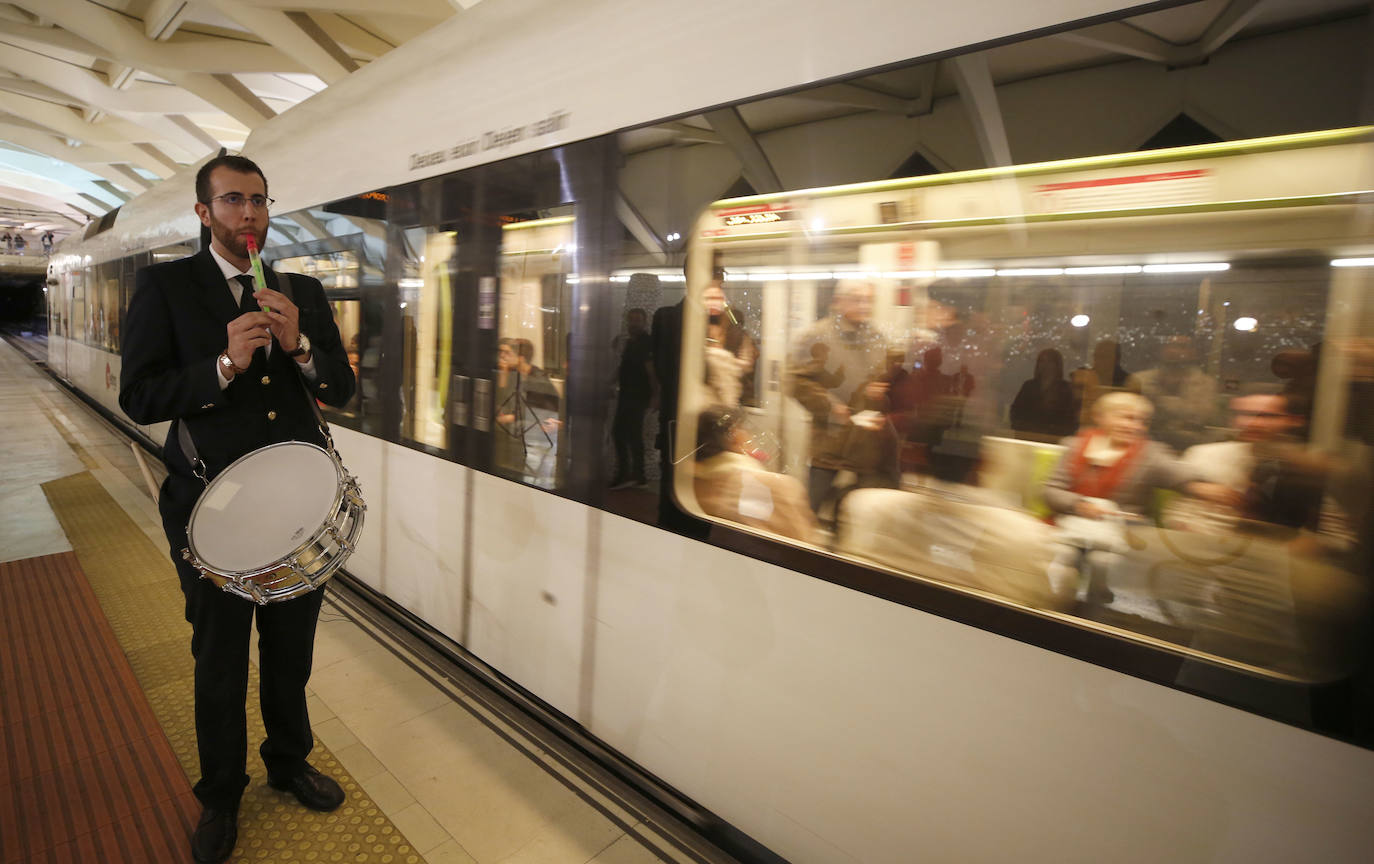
(1353, 262)
(975, 273)
(1032, 271)
(1115, 269)
(1213, 267)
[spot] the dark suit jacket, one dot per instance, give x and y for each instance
(174, 333)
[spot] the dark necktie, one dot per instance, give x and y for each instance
(247, 302)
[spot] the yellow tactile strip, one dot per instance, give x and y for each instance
(137, 588)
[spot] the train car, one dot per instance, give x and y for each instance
(900, 262)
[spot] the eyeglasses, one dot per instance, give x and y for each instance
(234, 199)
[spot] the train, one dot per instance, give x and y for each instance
(944, 194)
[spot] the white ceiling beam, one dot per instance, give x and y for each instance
(294, 35)
(1122, 38)
(436, 10)
(65, 122)
(87, 87)
(860, 97)
(926, 101)
(76, 213)
(640, 228)
(229, 95)
(37, 90)
(53, 37)
(114, 190)
(90, 158)
(753, 161)
(462, 5)
(1228, 23)
(350, 35)
(688, 132)
(979, 95)
(121, 40)
(131, 176)
(162, 18)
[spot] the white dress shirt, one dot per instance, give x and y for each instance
(231, 274)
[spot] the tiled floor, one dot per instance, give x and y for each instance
(452, 777)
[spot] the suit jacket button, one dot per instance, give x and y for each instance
(324, 386)
(207, 405)
(266, 379)
(271, 415)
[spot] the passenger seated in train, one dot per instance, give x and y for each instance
(1045, 407)
(732, 484)
(1111, 471)
(1276, 479)
(852, 443)
(1184, 396)
(527, 405)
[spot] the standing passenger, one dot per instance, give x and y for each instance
(850, 344)
(201, 352)
(635, 393)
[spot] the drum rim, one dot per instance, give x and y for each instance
(341, 486)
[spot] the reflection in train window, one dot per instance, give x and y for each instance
(426, 293)
(343, 245)
(532, 348)
(1134, 411)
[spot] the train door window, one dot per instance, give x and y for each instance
(426, 306)
(530, 371)
(343, 245)
(1167, 439)
(490, 303)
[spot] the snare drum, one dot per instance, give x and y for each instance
(276, 523)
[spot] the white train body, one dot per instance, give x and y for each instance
(825, 722)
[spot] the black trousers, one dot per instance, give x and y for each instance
(221, 631)
(627, 429)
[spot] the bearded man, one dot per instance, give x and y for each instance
(206, 351)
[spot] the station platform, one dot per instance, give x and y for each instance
(97, 743)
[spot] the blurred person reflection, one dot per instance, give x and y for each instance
(666, 338)
(1275, 478)
(1184, 396)
(7, 241)
(1112, 470)
(634, 395)
(731, 484)
(1045, 407)
(837, 371)
(47, 241)
(730, 353)
(527, 412)
(1103, 376)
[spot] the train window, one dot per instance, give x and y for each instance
(1150, 418)
(426, 301)
(343, 245)
(532, 346)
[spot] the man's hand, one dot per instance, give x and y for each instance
(247, 333)
(285, 317)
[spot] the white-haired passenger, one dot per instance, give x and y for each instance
(1113, 468)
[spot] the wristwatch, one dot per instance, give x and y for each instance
(227, 365)
(302, 345)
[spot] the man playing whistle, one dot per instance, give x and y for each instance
(205, 349)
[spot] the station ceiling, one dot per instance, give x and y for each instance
(100, 99)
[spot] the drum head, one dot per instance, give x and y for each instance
(263, 507)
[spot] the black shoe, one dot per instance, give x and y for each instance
(216, 834)
(312, 789)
